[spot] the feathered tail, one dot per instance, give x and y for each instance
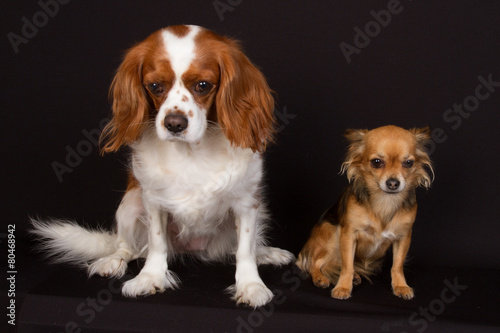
(66, 242)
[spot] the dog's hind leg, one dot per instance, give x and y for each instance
(318, 257)
(131, 237)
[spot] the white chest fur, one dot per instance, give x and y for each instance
(377, 237)
(197, 184)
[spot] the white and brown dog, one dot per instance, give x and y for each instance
(196, 114)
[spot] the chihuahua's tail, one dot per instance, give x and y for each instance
(66, 242)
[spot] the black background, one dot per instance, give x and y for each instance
(426, 59)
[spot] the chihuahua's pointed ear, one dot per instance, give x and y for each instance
(130, 104)
(422, 135)
(355, 135)
(356, 138)
(423, 139)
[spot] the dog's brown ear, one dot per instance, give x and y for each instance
(423, 138)
(355, 135)
(422, 135)
(130, 104)
(356, 146)
(245, 105)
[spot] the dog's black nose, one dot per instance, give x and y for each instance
(392, 184)
(175, 123)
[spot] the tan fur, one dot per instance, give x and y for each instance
(353, 236)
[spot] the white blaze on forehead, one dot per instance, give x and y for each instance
(180, 50)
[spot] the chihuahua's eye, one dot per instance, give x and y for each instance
(155, 88)
(377, 163)
(408, 164)
(202, 87)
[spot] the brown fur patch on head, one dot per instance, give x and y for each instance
(179, 30)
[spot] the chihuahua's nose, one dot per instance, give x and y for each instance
(392, 184)
(175, 123)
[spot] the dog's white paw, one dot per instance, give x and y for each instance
(110, 266)
(149, 283)
(274, 256)
(254, 294)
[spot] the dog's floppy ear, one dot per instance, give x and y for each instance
(245, 105)
(423, 138)
(130, 104)
(356, 138)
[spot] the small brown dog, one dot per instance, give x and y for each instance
(384, 167)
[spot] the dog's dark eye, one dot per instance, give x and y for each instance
(202, 87)
(377, 163)
(408, 164)
(155, 88)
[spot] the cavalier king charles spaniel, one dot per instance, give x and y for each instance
(197, 114)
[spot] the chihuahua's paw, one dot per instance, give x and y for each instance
(254, 294)
(356, 280)
(404, 292)
(149, 283)
(321, 281)
(110, 266)
(341, 293)
(274, 256)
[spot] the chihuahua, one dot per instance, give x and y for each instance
(384, 167)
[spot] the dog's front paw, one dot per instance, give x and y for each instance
(341, 292)
(254, 294)
(404, 292)
(274, 256)
(110, 266)
(149, 283)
